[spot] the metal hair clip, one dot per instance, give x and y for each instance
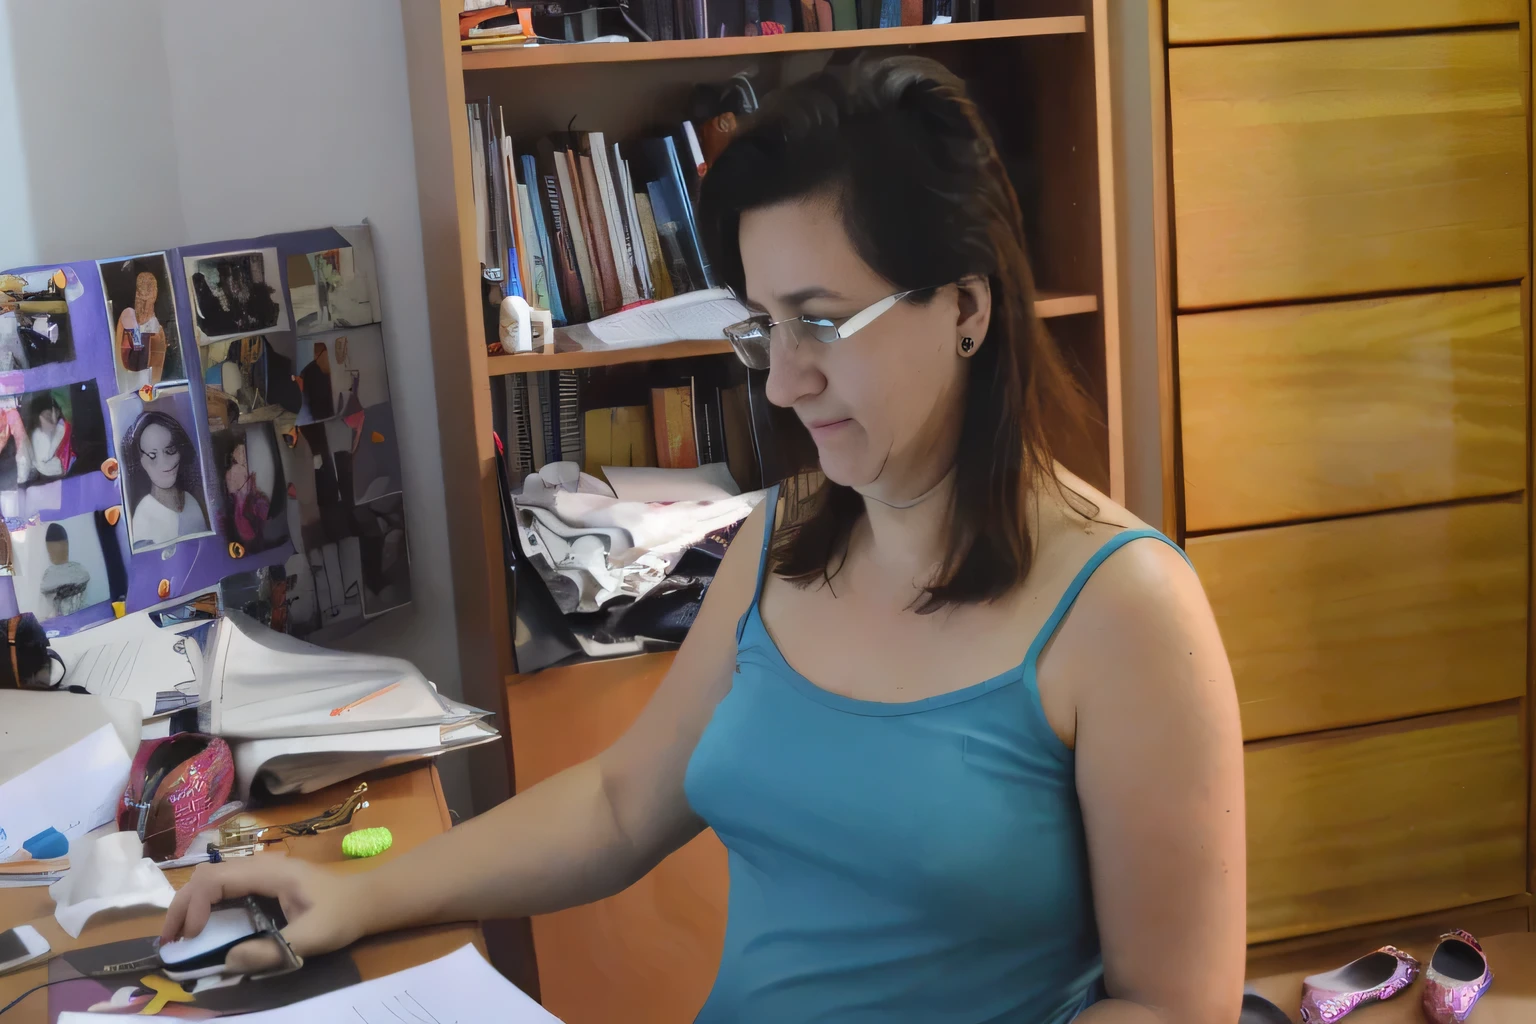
(235, 835)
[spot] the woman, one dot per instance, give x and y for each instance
(161, 463)
(140, 338)
(249, 505)
(1062, 840)
(52, 453)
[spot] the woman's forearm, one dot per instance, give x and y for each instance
(554, 846)
(1118, 1011)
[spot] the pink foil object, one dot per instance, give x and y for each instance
(1450, 1000)
(1327, 997)
(194, 787)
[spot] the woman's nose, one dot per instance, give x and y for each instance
(792, 373)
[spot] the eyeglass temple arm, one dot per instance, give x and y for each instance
(862, 319)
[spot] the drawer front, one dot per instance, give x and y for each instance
(1302, 412)
(1209, 21)
(1371, 618)
(1384, 822)
(1346, 166)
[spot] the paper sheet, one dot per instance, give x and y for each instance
(133, 659)
(692, 316)
(460, 988)
(71, 792)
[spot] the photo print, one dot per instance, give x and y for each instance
(160, 471)
(323, 481)
(376, 458)
(34, 320)
(253, 375)
(342, 373)
(52, 434)
(141, 309)
(235, 294)
(60, 567)
(336, 572)
(255, 495)
(333, 288)
(281, 597)
(384, 555)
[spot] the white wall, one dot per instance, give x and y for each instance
(151, 123)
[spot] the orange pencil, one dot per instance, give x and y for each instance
(360, 700)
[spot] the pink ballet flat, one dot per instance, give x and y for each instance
(1457, 976)
(1372, 978)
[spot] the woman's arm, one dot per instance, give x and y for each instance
(576, 837)
(1160, 777)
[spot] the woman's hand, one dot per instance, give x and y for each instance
(323, 908)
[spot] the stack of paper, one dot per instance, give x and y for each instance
(133, 659)
(300, 717)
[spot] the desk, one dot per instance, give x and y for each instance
(1512, 998)
(409, 801)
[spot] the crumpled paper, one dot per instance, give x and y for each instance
(107, 872)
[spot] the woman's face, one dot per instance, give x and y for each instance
(48, 418)
(159, 455)
(884, 405)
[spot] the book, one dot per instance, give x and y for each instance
(570, 205)
(623, 259)
(890, 13)
(632, 222)
(567, 415)
(533, 213)
(539, 426)
(685, 274)
(567, 277)
(479, 187)
(538, 272)
(736, 426)
(618, 436)
(845, 15)
(709, 444)
(660, 279)
(601, 238)
(672, 416)
(663, 166)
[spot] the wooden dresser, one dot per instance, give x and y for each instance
(1344, 248)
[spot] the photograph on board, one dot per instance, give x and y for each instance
(141, 308)
(61, 432)
(254, 375)
(254, 492)
(386, 562)
(332, 288)
(160, 472)
(376, 456)
(235, 294)
(59, 567)
(35, 319)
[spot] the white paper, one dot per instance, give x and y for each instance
(710, 482)
(692, 316)
(133, 659)
(72, 791)
(460, 988)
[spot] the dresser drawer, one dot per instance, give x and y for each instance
(1370, 618)
(1384, 822)
(1345, 166)
(1208, 21)
(1301, 412)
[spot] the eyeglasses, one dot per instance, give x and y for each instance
(752, 337)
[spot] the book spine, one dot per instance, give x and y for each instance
(599, 240)
(890, 13)
(534, 214)
(568, 403)
(541, 298)
(570, 200)
(636, 231)
(659, 276)
(686, 223)
(622, 258)
(573, 296)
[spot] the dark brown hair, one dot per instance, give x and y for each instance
(900, 148)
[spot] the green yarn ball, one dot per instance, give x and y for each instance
(367, 842)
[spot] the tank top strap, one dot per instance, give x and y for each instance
(1074, 588)
(771, 502)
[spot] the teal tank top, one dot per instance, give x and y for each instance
(896, 862)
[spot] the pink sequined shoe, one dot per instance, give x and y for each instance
(1372, 978)
(1457, 976)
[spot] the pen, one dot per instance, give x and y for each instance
(360, 700)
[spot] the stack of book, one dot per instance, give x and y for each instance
(698, 421)
(582, 226)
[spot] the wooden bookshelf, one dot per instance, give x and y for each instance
(790, 42)
(1048, 305)
(650, 954)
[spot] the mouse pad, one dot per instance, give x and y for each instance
(71, 988)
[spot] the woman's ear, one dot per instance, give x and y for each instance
(975, 314)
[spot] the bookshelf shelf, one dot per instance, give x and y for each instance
(610, 53)
(1048, 305)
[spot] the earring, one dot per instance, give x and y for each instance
(966, 344)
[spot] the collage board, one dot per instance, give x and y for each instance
(210, 417)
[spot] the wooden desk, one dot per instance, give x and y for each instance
(1512, 998)
(408, 801)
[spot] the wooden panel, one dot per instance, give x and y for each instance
(1371, 618)
(650, 953)
(1346, 166)
(1300, 412)
(1384, 822)
(1205, 21)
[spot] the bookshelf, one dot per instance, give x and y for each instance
(1040, 71)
